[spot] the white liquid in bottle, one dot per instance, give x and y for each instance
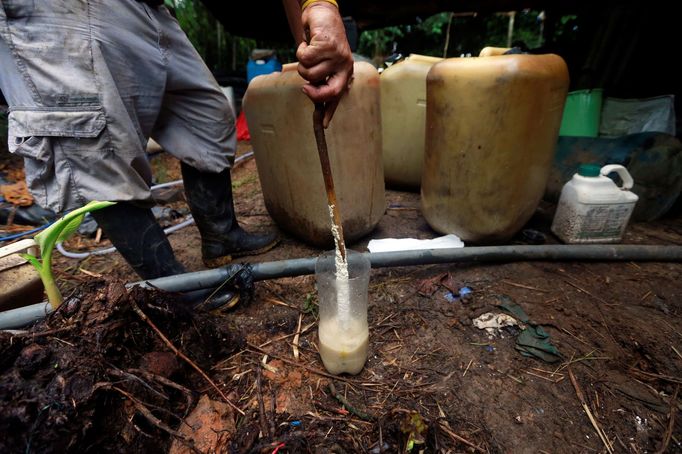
(343, 348)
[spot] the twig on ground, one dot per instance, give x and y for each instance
(456, 437)
(277, 302)
(264, 426)
(257, 350)
(170, 345)
(286, 336)
(359, 413)
(671, 422)
(667, 378)
(527, 287)
(586, 408)
(575, 337)
(587, 357)
(296, 336)
(42, 333)
(676, 351)
(467, 369)
(601, 300)
(273, 411)
(156, 422)
(127, 375)
(543, 377)
(166, 382)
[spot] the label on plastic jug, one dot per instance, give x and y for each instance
(591, 222)
(604, 221)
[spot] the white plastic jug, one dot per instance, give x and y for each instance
(592, 208)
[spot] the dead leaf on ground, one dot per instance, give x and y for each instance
(17, 194)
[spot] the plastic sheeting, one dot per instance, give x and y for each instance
(620, 117)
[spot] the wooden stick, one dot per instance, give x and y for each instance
(452, 434)
(318, 128)
(264, 427)
(675, 350)
(671, 422)
(527, 287)
(581, 398)
(467, 369)
(297, 335)
(144, 411)
(659, 376)
(170, 345)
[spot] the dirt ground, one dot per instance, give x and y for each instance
(433, 381)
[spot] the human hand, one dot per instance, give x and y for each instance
(325, 61)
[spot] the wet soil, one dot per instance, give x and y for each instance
(433, 381)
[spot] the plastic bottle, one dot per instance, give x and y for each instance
(492, 128)
(280, 121)
(592, 208)
(343, 330)
(403, 114)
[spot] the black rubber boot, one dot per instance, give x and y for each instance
(209, 196)
(139, 239)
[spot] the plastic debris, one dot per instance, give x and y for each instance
(295, 423)
(450, 297)
(409, 244)
(533, 341)
(464, 291)
(465, 294)
(493, 323)
(377, 449)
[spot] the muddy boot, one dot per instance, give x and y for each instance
(139, 239)
(209, 196)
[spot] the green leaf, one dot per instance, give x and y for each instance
(70, 228)
(34, 261)
(48, 238)
(68, 224)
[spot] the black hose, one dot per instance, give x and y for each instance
(299, 267)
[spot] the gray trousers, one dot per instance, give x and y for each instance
(89, 81)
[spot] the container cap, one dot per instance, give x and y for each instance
(589, 170)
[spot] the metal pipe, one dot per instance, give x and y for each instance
(302, 266)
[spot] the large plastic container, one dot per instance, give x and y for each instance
(262, 61)
(582, 113)
(592, 209)
(403, 114)
(280, 120)
(492, 126)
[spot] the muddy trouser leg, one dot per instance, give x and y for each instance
(139, 239)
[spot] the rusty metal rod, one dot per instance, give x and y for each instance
(318, 128)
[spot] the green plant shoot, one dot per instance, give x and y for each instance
(48, 238)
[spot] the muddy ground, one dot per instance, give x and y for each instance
(99, 377)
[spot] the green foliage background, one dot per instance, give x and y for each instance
(224, 52)
(468, 35)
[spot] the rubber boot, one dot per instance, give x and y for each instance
(209, 196)
(139, 239)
